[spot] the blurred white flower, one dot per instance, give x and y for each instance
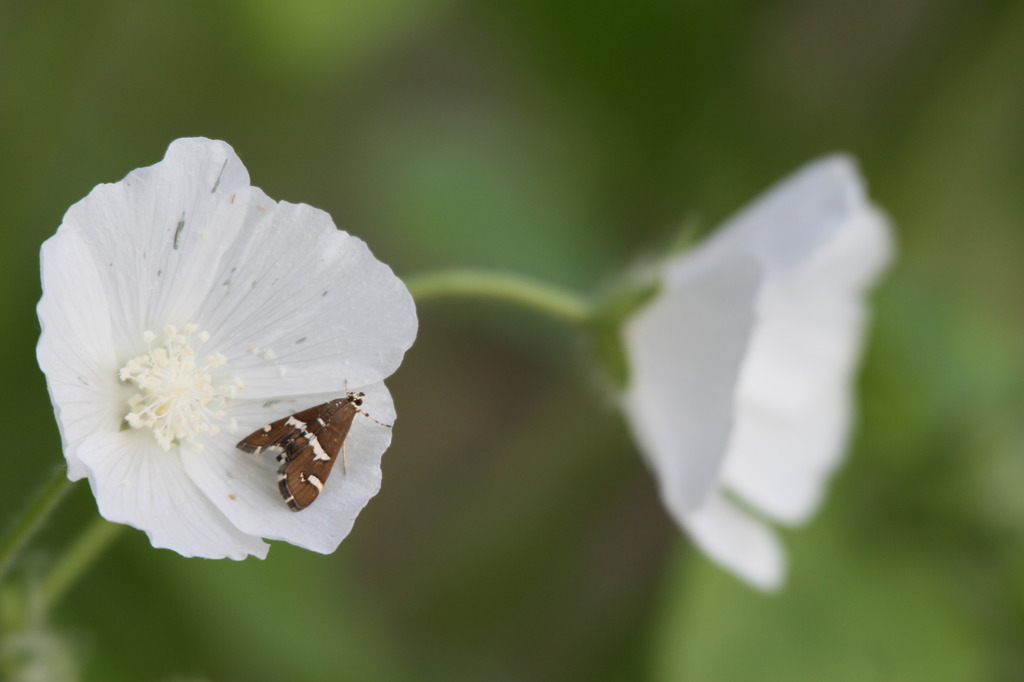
(182, 309)
(741, 367)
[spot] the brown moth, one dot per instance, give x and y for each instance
(308, 443)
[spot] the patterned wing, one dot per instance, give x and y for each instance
(274, 436)
(311, 456)
(308, 443)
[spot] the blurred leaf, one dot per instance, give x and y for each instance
(309, 39)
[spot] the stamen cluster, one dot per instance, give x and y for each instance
(177, 399)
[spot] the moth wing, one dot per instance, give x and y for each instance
(308, 462)
(310, 415)
(302, 476)
(275, 434)
(281, 433)
(337, 423)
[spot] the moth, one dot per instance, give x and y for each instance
(308, 443)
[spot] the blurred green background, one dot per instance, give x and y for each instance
(518, 535)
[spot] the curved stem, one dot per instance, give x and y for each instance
(78, 558)
(511, 288)
(30, 522)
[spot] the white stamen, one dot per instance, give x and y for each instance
(177, 398)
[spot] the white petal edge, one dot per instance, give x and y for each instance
(286, 335)
(788, 223)
(221, 254)
(685, 351)
(157, 235)
(739, 542)
(137, 483)
(244, 486)
(794, 405)
(75, 350)
(811, 319)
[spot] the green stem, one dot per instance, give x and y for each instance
(24, 528)
(516, 289)
(78, 558)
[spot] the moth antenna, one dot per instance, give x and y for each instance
(372, 418)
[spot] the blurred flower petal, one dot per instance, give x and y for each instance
(684, 351)
(784, 392)
(738, 541)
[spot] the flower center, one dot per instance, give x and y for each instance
(177, 396)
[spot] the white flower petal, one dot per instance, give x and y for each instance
(793, 404)
(221, 254)
(182, 298)
(780, 462)
(302, 307)
(737, 541)
(819, 244)
(75, 346)
(244, 486)
(810, 318)
(137, 483)
(158, 235)
(805, 342)
(790, 222)
(684, 351)
(858, 252)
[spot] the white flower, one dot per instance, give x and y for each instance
(741, 366)
(182, 309)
